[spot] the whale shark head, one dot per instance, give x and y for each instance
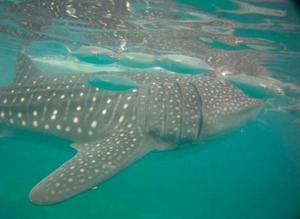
(224, 107)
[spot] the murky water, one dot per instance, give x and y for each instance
(253, 172)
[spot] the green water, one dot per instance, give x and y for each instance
(252, 173)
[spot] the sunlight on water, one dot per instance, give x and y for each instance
(252, 172)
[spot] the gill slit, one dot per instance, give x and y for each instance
(200, 109)
(163, 106)
(181, 109)
(146, 103)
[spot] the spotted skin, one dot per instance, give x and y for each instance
(111, 129)
(94, 162)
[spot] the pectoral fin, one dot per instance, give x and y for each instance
(95, 162)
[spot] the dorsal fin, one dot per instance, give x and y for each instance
(25, 69)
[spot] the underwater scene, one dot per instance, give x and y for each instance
(149, 109)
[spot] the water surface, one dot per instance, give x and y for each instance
(253, 172)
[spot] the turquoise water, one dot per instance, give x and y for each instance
(253, 172)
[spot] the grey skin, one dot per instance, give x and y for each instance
(111, 129)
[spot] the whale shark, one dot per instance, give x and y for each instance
(111, 128)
